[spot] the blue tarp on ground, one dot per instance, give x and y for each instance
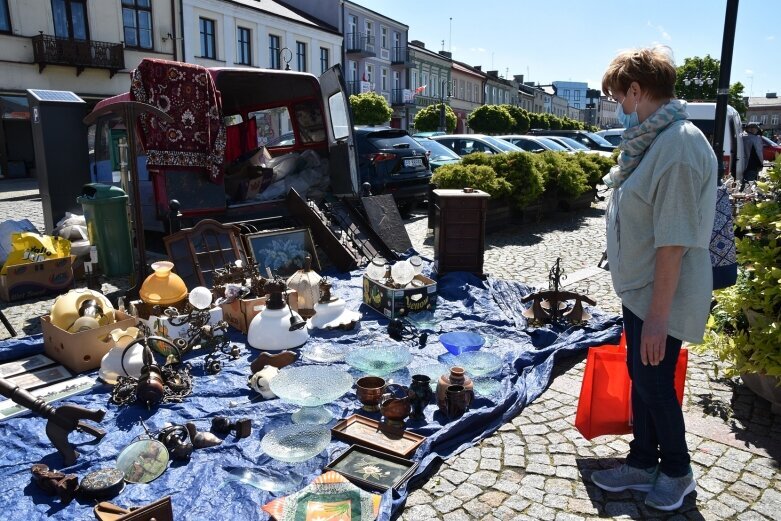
(201, 489)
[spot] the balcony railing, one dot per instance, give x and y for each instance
(360, 44)
(400, 56)
(402, 97)
(50, 50)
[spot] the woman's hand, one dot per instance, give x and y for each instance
(653, 341)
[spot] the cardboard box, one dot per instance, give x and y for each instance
(81, 351)
(239, 313)
(24, 281)
(393, 302)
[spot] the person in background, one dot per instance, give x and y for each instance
(659, 224)
(752, 144)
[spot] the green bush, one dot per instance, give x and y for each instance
(595, 167)
(518, 169)
(477, 158)
(490, 119)
(370, 108)
(562, 174)
(481, 177)
(427, 119)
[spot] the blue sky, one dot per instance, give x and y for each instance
(575, 40)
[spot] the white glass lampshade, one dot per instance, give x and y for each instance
(402, 273)
(417, 264)
(120, 361)
(270, 331)
(376, 268)
(200, 298)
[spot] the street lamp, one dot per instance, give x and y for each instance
(699, 81)
(442, 119)
(285, 55)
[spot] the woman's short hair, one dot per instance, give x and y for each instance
(652, 68)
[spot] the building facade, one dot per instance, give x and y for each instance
(553, 103)
(574, 92)
(765, 111)
(499, 91)
(466, 93)
(606, 115)
(268, 34)
(85, 46)
(429, 78)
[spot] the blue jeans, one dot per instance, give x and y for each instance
(658, 428)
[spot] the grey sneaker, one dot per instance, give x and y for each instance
(625, 478)
(668, 493)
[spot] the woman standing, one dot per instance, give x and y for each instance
(659, 225)
(752, 144)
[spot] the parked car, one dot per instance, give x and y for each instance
(438, 154)
(429, 134)
(286, 139)
(703, 115)
(770, 149)
(534, 143)
(613, 135)
(577, 146)
(464, 144)
(591, 140)
(393, 163)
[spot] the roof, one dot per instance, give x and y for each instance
(460, 68)
(763, 102)
(376, 13)
(282, 10)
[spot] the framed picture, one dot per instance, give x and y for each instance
(364, 431)
(40, 377)
(24, 365)
(282, 251)
(373, 469)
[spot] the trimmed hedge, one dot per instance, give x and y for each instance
(523, 177)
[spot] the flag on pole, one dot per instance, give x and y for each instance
(420, 89)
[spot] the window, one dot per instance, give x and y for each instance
(774, 119)
(324, 61)
(577, 104)
(577, 95)
(273, 51)
(414, 79)
(397, 81)
(396, 39)
(763, 119)
(137, 21)
(70, 19)
(353, 66)
(369, 31)
(424, 81)
(384, 36)
(453, 88)
(370, 73)
(566, 93)
(5, 17)
(244, 46)
(301, 56)
(207, 39)
(352, 24)
(461, 90)
(434, 85)
(384, 78)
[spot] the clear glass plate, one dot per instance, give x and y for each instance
(478, 363)
(311, 385)
(297, 442)
(324, 353)
(379, 361)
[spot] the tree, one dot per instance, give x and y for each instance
(491, 119)
(736, 99)
(427, 119)
(702, 76)
(521, 117)
(369, 108)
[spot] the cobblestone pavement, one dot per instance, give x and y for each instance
(538, 466)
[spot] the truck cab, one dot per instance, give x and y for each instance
(300, 119)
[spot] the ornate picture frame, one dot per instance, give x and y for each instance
(372, 469)
(283, 251)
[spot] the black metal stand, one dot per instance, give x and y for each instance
(7, 324)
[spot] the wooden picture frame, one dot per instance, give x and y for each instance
(372, 469)
(283, 251)
(360, 430)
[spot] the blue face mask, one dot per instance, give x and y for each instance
(627, 120)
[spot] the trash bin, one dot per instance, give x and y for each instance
(105, 210)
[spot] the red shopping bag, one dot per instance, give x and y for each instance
(605, 405)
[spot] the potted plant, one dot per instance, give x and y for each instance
(744, 328)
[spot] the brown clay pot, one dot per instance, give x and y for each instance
(456, 377)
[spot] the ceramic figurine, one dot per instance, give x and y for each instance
(201, 440)
(260, 382)
(456, 377)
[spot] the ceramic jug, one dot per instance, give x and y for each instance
(420, 395)
(457, 400)
(456, 377)
(395, 405)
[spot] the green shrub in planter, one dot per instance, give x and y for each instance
(477, 158)
(519, 170)
(595, 166)
(744, 328)
(562, 173)
(480, 177)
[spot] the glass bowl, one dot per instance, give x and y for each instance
(379, 361)
(297, 442)
(458, 342)
(323, 353)
(478, 363)
(311, 386)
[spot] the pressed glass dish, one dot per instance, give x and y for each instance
(379, 361)
(323, 353)
(478, 363)
(296, 442)
(458, 342)
(310, 387)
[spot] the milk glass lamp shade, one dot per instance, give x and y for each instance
(377, 268)
(75, 307)
(417, 264)
(163, 287)
(200, 298)
(122, 360)
(270, 331)
(402, 273)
